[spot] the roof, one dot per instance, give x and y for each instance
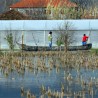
(41, 3)
(13, 15)
(48, 24)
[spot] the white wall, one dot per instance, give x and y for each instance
(41, 27)
(47, 24)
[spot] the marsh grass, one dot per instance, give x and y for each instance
(46, 61)
(94, 51)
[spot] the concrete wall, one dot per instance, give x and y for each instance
(36, 31)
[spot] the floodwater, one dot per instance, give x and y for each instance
(10, 87)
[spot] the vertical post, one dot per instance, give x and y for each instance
(44, 38)
(89, 32)
(22, 39)
(0, 40)
(22, 46)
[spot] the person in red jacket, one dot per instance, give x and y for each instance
(84, 39)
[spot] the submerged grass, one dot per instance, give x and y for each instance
(45, 61)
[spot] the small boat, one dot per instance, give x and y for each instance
(46, 48)
(27, 47)
(81, 47)
(38, 48)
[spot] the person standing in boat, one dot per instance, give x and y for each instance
(84, 39)
(50, 39)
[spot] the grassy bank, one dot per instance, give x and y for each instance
(94, 50)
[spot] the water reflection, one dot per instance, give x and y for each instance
(76, 86)
(38, 81)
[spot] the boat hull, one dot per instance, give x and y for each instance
(42, 48)
(85, 47)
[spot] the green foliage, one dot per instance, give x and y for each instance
(1, 53)
(59, 42)
(95, 51)
(64, 12)
(9, 39)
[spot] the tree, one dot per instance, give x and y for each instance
(84, 6)
(83, 3)
(11, 38)
(62, 12)
(90, 13)
(66, 35)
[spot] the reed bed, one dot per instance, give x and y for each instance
(45, 61)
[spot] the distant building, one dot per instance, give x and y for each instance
(36, 9)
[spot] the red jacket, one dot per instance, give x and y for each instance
(84, 38)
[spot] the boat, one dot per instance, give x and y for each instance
(39, 48)
(81, 47)
(27, 47)
(54, 48)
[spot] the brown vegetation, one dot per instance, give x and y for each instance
(13, 15)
